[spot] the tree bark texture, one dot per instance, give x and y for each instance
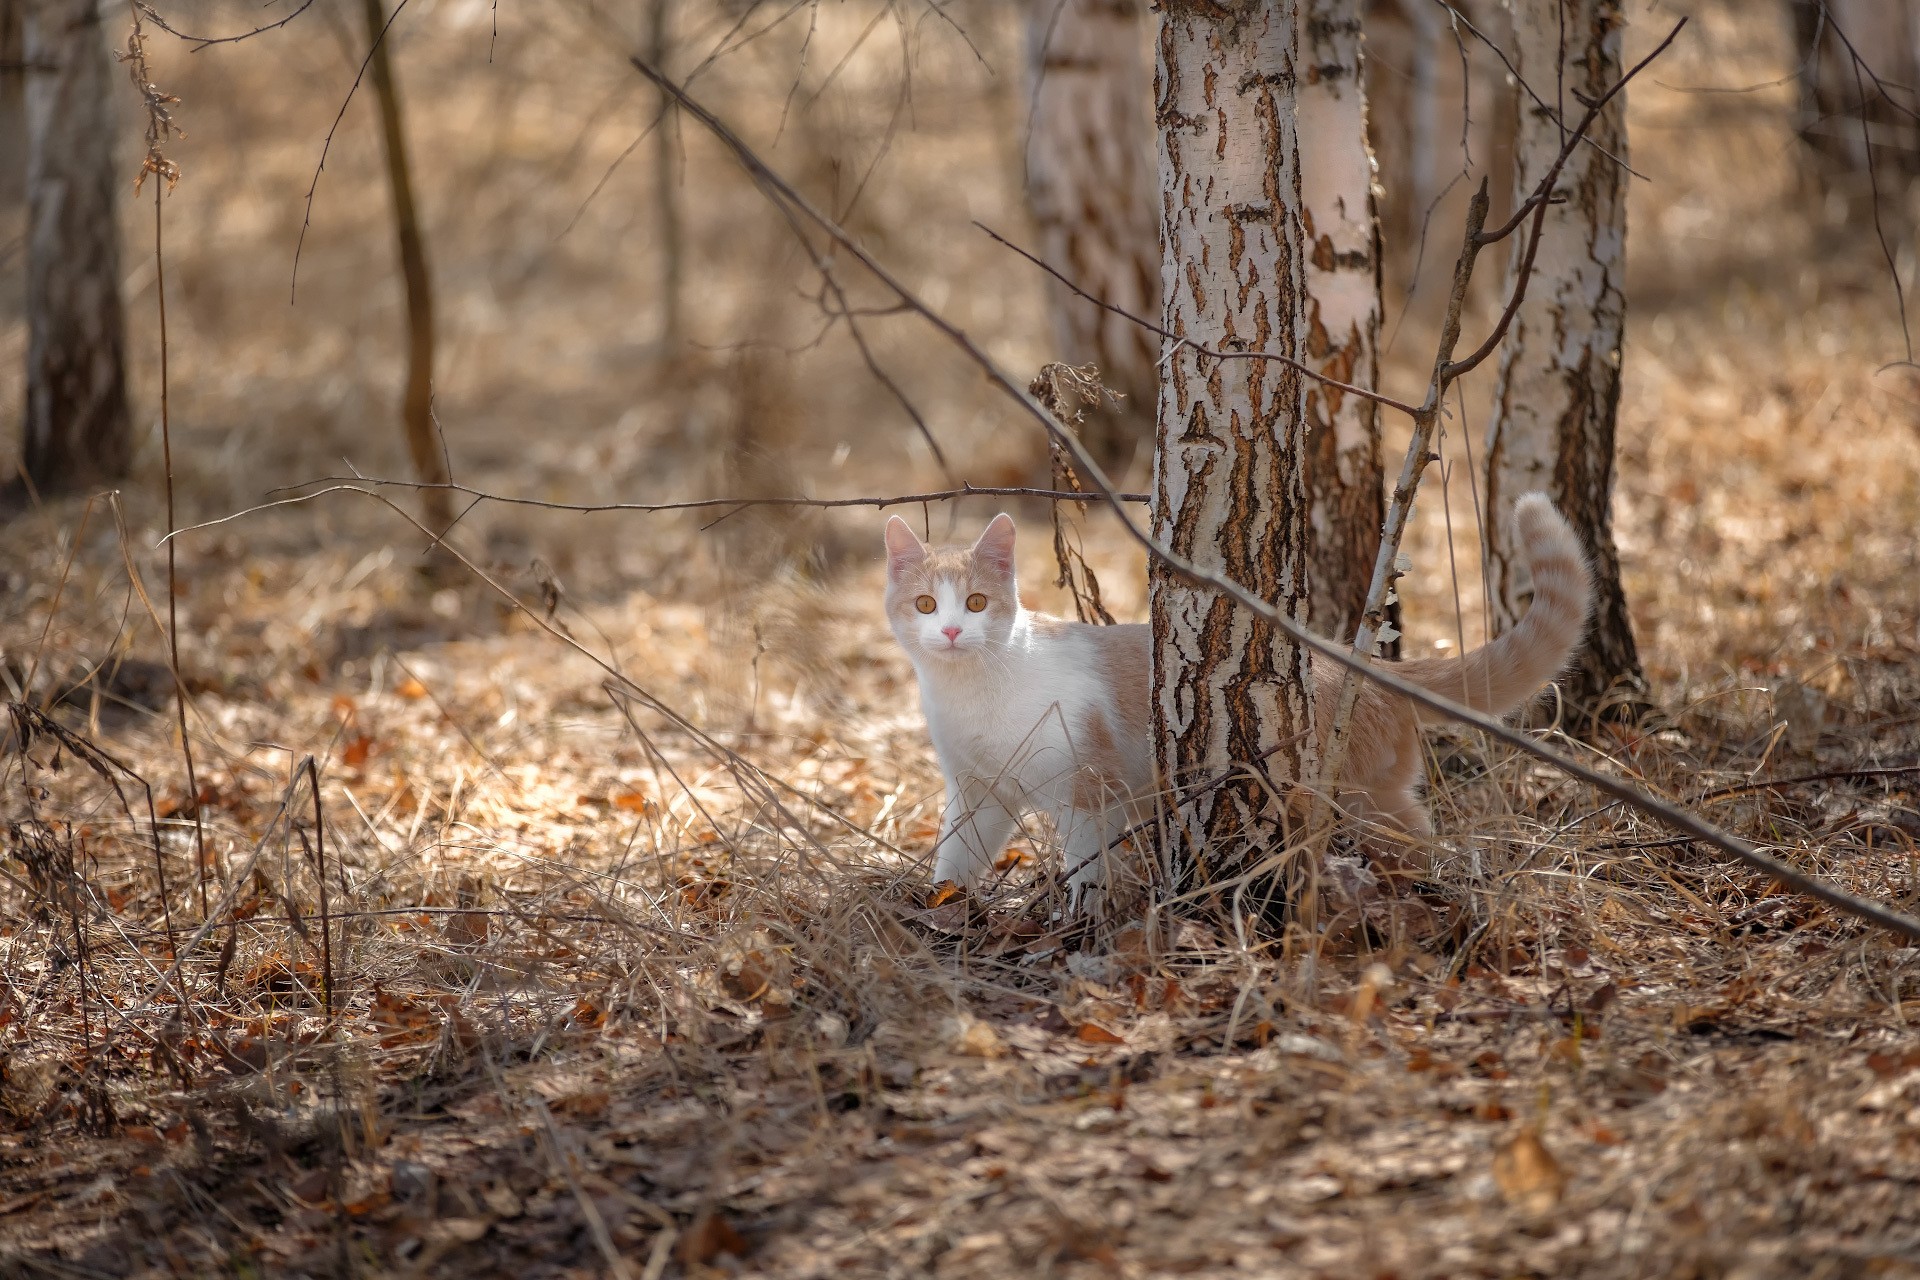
(1229, 689)
(1559, 388)
(423, 443)
(1342, 297)
(1090, 183)
(77, 428)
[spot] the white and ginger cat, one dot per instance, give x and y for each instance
(1031, 713)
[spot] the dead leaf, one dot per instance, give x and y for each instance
(410, 689)
(1528, 1176)
(972, 1038)
(1094, 1033)
(710, 1236)
(589, 1104)
(632, 802)
(1886, 1065)
(310, 1187)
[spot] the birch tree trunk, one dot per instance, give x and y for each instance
(1342, 296)
(1090, 183)
(1559, 388)
(77, 428)
(1229, 690)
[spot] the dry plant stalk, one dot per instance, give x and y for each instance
(160, 130)
(1059, 387)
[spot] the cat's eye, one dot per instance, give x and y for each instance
(976, 603)
(926, 604)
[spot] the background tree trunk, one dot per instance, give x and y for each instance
(423, 441)
(13, 120)
(666, 191)
(77, 429)
(1835, 96)
(1559, 387)
(1090, 183)
(1229, 476)
(1342, 277)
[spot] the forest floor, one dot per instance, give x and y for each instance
(605, 947)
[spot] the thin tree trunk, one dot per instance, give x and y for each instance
(13, 120)
(77, 427)
(1342, 274)
(1845, 114)
(423, 441)
(1089, 158)
(1559, 388)
(1229, 690)
(666, 193)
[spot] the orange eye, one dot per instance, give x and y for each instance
(926, 604)
(976, 603)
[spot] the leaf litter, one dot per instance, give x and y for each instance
(671, 983)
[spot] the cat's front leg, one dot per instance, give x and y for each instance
(975, 831)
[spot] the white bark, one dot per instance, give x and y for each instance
(1342, 297)
(1090, 183)
(1229, 486)
(77, 429)
(1559, 387)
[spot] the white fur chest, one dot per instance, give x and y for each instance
(1010, 717)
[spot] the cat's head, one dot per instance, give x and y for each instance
(951, 603)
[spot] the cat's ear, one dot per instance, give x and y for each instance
(904, 548)
(995, 546)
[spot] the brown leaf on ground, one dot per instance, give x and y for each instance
(1528, 1176)
(710, 1236)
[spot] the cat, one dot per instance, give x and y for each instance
(1035, 714)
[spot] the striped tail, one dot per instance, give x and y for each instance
(1501, 676)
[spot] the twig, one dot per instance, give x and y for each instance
(1831, 775)
(1573, 137)
(160, 126)
(354, 484)
(202, 42)
(1388, 564)
(596, 1225)
(1188, 343)
(784, 193)
(320, 861)
(306, 216)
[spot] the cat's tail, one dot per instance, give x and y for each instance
(1500, 676)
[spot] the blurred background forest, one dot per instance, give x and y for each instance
(616, 1015)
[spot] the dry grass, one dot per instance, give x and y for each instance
(644, 982)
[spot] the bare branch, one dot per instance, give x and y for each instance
(1151, 327)
(203, 42)
(336, 484)
(1579, 131)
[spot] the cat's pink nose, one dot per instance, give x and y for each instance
(951, 633)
